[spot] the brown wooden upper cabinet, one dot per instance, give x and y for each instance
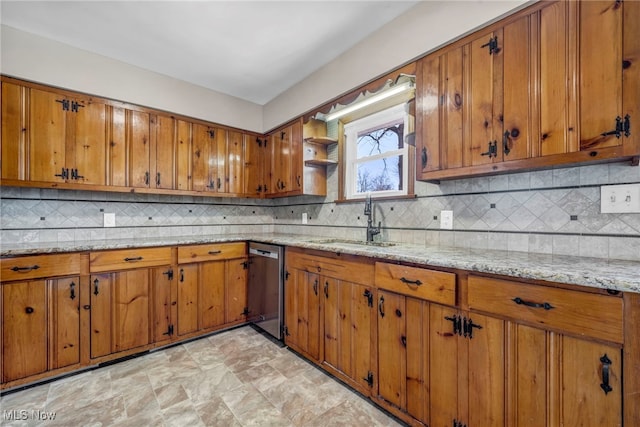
(539, 89)
(286, 172)
(52, 137)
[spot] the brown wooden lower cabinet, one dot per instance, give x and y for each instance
(302, 312)
(211, 287)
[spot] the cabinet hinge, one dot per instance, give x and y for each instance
(441, 99)
(246, 311)
(623, 127)
(65, 104)
(369, 378)
(457, 423)
(285, 331)
(492, 44)
(169, 331)
(259, 142)
(169, 274)
(245, 265)
(286, 275)
(75, 105)
(212, 133)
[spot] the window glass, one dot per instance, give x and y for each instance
(376, 156)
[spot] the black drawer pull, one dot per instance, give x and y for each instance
(410, 282)
(72, 290)
(96, 291)
(28, 310)
(544, 305)
(33, 267)
(381, 306)
(214, 252)
(138, 258)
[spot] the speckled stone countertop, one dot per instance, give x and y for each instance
(593, 272)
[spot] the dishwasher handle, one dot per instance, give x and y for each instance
(263, 253)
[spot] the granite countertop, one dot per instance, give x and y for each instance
(593, 272)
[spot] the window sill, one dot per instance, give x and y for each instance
(361, 200)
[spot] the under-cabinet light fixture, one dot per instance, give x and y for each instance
(395, 90)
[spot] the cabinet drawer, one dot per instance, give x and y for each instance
(354, 270)
(211, 252)
(32, 267)
(128, 258)
(581, 313)
(432, 285)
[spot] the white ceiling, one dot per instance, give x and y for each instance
(253, 50)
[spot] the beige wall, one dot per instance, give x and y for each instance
(35, 58)
(421, 29)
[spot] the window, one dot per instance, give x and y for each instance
(376, 155)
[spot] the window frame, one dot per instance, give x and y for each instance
(373, 121)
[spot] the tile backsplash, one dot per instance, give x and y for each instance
(555, 211)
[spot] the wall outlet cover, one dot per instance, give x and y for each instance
(109, 219)
(620, 198)
(446, 220)
(305, 218)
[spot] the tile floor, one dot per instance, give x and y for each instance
(235, 378)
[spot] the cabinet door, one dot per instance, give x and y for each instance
(302, 312)
(202, 156)
(444, 365)
(64, 322)
(47, 136)
(138, 147)
(417, 353)
(558, 131)
(101, 289)
(13, 131)
(235, 162)
(219, 168)
(131, 302)
(161, 304)
(428, 115)
(183, 155)
(392, 350)
(253, 165)
(236, 290)
(296, 159)
(486, 361)
(281, 161)
(601, 69)
(24, 329)
(165, 152)
(87, 153)
(484, 91)
(331, 322)
(517, 87)
(587, 369)
(212, 294)
(188, 299)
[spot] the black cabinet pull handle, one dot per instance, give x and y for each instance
(182, 274)
(403, 339)
(315, 287)
(138, 258)
(214, 252)
(33, 267)
(29, 310)
(298, 180)
(95, 287)
(146, 178)
(72, 290)
(544, 305)
(158, 178)
(381, 306)
(468, 328)
(369, 296)
(505, 142)
(410, 282)
(326, 289)
(606, 364)
(424, 157)
(219, 183)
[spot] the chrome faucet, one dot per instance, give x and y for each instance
(368, 211)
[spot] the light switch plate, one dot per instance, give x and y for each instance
(109, 219)
(305, 218)
(446, 220)
(620, 198)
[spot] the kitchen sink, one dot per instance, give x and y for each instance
(345, 242)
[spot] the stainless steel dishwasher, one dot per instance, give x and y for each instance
(265, 293)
